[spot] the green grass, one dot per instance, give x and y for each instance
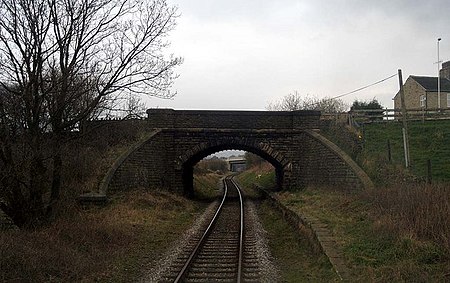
(376, 244)
(398, 234)
(428, 140)
(292, 252)
(265, 179)
(400, 231)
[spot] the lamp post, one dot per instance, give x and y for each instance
(439, 79)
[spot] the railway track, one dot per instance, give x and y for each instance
(224, 252)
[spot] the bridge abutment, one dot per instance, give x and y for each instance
(178, 140)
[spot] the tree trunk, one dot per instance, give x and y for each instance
(56, 181)
(56, 175)
(34, 210)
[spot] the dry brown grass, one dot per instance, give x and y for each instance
(419, 212)
(398, 234)
(206, 186)
(98, 244)
(111, 243)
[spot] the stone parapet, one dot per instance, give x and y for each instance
(170, 118)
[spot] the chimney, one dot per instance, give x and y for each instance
(444, 72)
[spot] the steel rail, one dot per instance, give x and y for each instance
(203, 238)
(181, 275)
(241, 232)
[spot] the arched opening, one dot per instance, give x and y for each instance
(190, 163)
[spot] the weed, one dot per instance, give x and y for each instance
(418, 212)
(294, 254)
(206, 186)
(99, 244)
(387, 233)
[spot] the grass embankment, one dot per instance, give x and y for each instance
(388, 235)
(262, 175)
(292, 253)
(113, 243)
(206, 185)
(428, 140)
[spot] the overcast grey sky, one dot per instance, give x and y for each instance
(243, 54)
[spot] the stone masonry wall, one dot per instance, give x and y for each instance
(169, 118)
(177, 140)
(147, 166)
(413, 91)
(303, 159)
(320, 166)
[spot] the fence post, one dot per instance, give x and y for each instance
(429, 171)
(405, 121)
(389, 150)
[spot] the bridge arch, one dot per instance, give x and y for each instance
(176, 140)
(188, 160)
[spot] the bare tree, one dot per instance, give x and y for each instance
(290, 102)
(135, 108)
(59, 61)
(331, 105)
(128, 107)
(296, 101)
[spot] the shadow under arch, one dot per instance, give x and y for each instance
(187, 165)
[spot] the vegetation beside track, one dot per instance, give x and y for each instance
(292, 253)
(206, 185)
(111, 243)
(114, 243)
(262, 175)
(399, 235)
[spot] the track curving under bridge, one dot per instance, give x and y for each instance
(225, 252)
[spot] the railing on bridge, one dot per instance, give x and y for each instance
(358, 117)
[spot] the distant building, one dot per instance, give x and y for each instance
(236, 164)
(422, 92)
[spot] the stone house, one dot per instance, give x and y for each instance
(422, 92)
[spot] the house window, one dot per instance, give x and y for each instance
(448, 99)
(423, 100)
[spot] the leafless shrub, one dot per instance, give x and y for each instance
(296, 101)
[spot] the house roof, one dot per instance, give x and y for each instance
(430, 83)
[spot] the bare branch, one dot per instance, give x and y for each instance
(63, 61)
(296, 101)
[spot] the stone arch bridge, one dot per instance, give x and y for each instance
(177, 139)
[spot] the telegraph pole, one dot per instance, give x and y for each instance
(405, 121)
(439, 79)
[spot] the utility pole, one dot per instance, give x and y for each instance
(405, 121)
(439, 79)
